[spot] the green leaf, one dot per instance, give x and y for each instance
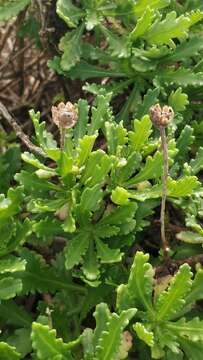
(151, 170)
(195, 16)
(70, 45)
(91, 168)
(185, 50)
(15, 315)
(143, 24)
(196, 292)
(150, 98)
(11, 205)
(144, 334)
(107, 255)
(193, 329)
(46, 345)
(11, 264)
(32, 184)
(141, 5)
(68, 12)
(178, 100)
(102, 316)
(118, 45)
(163, 32)
(32, 160)
(90, 265)
(11, 8)
(9, 287)
(110, 339)
(182, 77)
(40, 277)
(190, 237)
(84, 71)
(44, 138)
(182, 187)
(119, 215)
(100, 114)
(91, 198)
(47, 228)
(101, 170)
(172, 300)
(142, 131)
(197, 163)
(87, 343)
(93, 17)
(125, 172)
(120, 196)
(105, 231)
(8, 352)
(116, 136)
(184, 143)
(20, 339)
(139, 286)
(65, 164)
(192, 349)
(85, 147)
(81, 125)
(76, 248)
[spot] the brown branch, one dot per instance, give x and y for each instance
(16, 55)
(19, 132)
(173, 266)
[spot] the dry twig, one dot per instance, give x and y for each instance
(19, 132)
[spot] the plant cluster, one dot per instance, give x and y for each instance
(79, 209)
(139, 48)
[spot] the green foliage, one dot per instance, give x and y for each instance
(161, 326)
(135, 42)
(11, 8)
(72, 219)
(87, 178)
(46, 345)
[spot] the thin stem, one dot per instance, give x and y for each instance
(62, 137)
(164, 191)
(19, 132)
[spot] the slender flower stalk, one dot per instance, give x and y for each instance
(161, 117)
(65, 117)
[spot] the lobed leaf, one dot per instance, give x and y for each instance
(111, 338)
(191, 330)
(141, 5)
(144, 334)
(106, 254)
(143, 24)
(141, 133)
(197, 163)
(46, 345)
(9, 287)
(70, 45)
(8, 352)
(11, 8)
(140, 284)
(172, 300)
(163, 32)
(68, 12)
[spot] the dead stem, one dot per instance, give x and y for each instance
(19, 132)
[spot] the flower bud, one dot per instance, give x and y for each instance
(161, 116)
(64, 115)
